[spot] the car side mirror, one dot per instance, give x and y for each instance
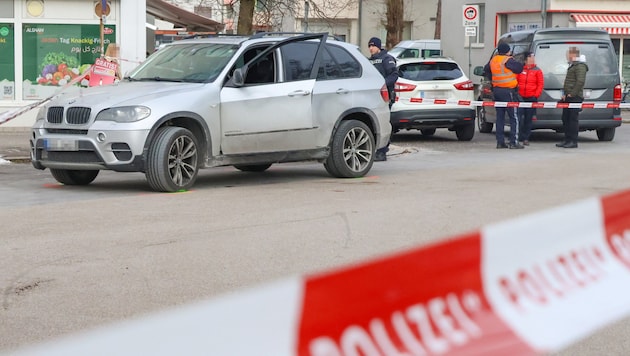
(478, 70)
(238, 78)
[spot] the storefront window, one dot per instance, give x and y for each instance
(7, 62)
(53, 55)
(6, 9)
(623, 57)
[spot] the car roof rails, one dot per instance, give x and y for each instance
(269, 34)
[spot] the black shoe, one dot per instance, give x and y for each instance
(562, 144)
(570, 145)
(513, 146)
(380, 157)
(502, 145)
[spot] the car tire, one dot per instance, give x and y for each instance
(482, 124)
(172, 160)
(427, 132)
(607, 134)
(351, 150)
(465, 133)
(74, 177)
(253, 167)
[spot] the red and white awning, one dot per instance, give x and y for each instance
(618, 24)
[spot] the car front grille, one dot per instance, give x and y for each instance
(74, 115)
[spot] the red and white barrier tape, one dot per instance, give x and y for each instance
(12, 114)
(522, 104)
(528, 286)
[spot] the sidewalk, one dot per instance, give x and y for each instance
(14, 144)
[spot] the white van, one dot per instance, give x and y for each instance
(417, 49)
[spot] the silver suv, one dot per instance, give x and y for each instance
(246, 102)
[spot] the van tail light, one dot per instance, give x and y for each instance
(385, 93)
(402, 87)
(617, 93)
(467, 85)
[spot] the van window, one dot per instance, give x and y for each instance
(551, 58)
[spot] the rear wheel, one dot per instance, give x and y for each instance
(351, 150)
(465, 133)
(607, 134)
(482, 124)
(74, 177)
(253, 167)
(428, 132)
(172, 160)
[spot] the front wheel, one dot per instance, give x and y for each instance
(351, 150)
(74, 177)
(607, 134)
(172, 160)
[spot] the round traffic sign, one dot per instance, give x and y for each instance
(470, 13)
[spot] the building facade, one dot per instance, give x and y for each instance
(497, 17)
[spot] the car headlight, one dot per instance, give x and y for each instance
(41, 114)
(124, 114)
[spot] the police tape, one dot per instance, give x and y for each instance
(12, 114)
(527, 286)
(521, 104)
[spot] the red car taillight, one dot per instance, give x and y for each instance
(385, 94)
(467, 85)
(401, 87)
(617, 93)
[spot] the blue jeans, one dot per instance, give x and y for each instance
(506, 94)
(526, 116)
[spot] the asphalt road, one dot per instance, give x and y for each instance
(73, 258)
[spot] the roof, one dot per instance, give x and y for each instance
(181, 18)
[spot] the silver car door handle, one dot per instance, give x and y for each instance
(299, 93)
(342, 91)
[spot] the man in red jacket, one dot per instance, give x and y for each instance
(530, 85)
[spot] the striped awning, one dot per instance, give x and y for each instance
(615, 24)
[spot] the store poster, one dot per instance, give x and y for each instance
(55, 54)
(7, 62)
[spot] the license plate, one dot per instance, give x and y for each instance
(52, 144)
(433, 94)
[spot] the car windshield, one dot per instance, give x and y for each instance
(551, 58)
(191, 63)
(430, 71)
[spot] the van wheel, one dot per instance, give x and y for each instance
(482, 124)
(351, 150)
(172, 160)
(606, 134)
(427, 132)
(465, 133)
(73, 177)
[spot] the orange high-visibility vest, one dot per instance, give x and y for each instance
(502, 76)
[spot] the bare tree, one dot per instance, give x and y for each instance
(438, 21)
(246, 17)
(395, 24)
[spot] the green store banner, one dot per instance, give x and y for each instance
(55, 54)
(7, 62)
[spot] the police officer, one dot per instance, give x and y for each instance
(503, 70)
(386, 65)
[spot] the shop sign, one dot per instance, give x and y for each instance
(54, 54)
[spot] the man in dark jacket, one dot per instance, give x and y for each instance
(573, 92)
(502, 69)
(386, 65)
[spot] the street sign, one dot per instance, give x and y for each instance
(471, 31)
(471, 15)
